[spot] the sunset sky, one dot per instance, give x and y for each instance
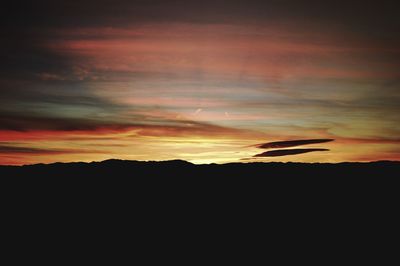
(203, 81)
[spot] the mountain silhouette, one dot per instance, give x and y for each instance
(180, 168)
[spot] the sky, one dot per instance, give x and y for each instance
(203, 81)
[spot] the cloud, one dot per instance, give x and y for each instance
(25, 125)
(27, 122)
(10, 149)
(275, 153)
(291, 143)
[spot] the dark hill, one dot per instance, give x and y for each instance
(122, 168)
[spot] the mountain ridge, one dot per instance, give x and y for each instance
(194, 164)
(176, 167)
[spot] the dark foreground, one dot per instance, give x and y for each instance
(178, 168)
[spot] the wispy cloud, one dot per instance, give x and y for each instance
(276, 153)
(291, 143)
(10, 149)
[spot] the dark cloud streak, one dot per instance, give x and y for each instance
(292, 143)
(9, 149)
(152, 127)
(276, 153)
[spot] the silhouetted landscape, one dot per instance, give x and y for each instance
(180, 168)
